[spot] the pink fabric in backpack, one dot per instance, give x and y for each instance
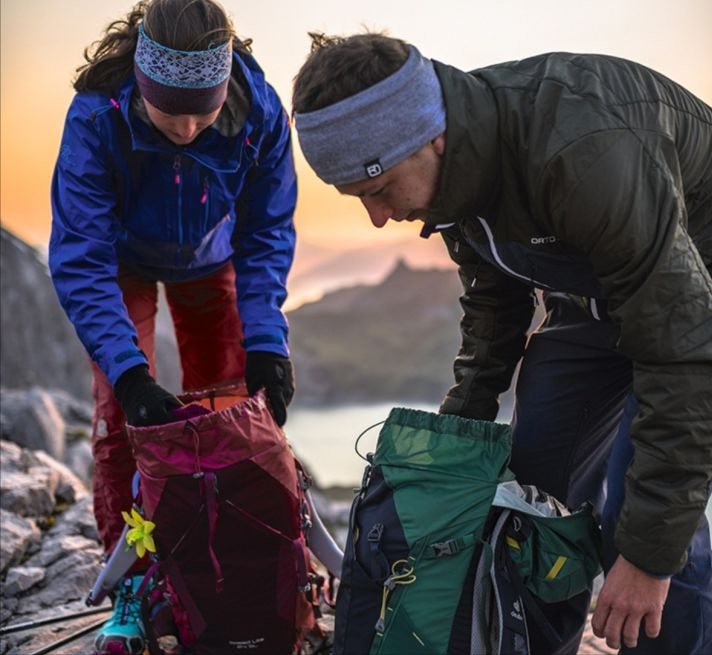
(228, 502)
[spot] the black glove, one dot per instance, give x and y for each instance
(275, 374)
(143, 400)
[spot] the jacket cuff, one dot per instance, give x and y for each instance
(482, 410)
(655, 559)
(274, 342)
(116, 362)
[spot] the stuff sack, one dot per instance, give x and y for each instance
(228, 503)
(437, 508)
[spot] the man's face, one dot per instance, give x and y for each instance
(404, 192)
(181, 129)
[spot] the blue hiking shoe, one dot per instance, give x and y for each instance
(123, 633)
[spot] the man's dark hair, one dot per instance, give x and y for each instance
(339, 67)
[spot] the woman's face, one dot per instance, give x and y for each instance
(181, 129)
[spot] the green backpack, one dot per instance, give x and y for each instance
(446, 553)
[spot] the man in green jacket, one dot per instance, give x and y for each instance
(590, 178)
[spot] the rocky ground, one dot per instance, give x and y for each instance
(49, 548)
(592, 645)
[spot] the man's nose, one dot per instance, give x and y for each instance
(378, 212)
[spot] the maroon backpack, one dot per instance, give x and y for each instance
(232, 571)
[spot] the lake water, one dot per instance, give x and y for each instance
(324, 440)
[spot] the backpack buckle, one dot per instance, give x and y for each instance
(376, 533)
(443, 548)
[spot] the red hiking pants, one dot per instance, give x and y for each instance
(209, 335)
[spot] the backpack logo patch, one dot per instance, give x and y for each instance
(247, 644)
(373, 168)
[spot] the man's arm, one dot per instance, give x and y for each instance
(617, 197)
(497, 312)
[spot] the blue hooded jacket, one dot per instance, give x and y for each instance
(123, 192)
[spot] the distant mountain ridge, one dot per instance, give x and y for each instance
(394, 341)
(321, 269)
(364, 343)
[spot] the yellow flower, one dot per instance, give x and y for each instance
(140, 533)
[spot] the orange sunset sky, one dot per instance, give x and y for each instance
(42, 43)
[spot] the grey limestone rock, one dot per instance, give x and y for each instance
(69, 578)
(28, 494)
(69, 487)
(32, 481)
(80, 460)
(39, 345)
(43, 571)
(55, 547)
(22, 578)
(32, 420)
(17, 534)
(73, 411)
(78, 519)
(27, 486)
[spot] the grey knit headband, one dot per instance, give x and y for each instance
(366, 134)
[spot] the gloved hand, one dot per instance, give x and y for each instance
(274, 373)
(143, 400)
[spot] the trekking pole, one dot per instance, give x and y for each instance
(29, 625)
(119, 563)
(321, 543)
(70, 637)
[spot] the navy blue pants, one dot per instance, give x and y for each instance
(572, 415)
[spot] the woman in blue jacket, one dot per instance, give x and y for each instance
(175, 166)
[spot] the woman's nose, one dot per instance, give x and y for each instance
(186, 127)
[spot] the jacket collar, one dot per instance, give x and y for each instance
(469, 175)
(212, 149)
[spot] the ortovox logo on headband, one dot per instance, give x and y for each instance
(373, 168)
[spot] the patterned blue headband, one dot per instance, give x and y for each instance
(182, 81)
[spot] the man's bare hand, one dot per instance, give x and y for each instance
(628, 596)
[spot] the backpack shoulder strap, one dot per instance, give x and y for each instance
(508, 620)
(507, 570)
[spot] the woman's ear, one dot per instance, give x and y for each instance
(439, 144)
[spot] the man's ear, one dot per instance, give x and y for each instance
(439, 144)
